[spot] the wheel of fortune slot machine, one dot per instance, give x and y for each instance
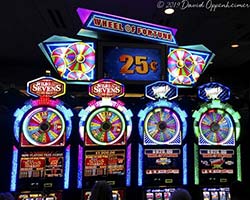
(41, 156)
(217, 152)
(162, 155)
(105, 127)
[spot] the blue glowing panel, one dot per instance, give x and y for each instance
(126, 63)
(212, 91)
(161, 90)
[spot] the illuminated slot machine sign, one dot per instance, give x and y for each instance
(95, 21)
(105, 127)
(217, 154)
(74, 60)
(162, 158)
(42, 127)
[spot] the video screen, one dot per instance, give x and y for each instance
(162, 161)
(117, 195)
(104, 162)
(132, 62)
(40, 196)
(163, 166)
(159, 193)
(217, 163)
(41, 165)
(220, 193)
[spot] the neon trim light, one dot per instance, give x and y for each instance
(184, 165)
(80, 167)
(19, 113)
(239, 167)
(67, 167)
(196, 165)
(14, 169)
(140, 163)
(128, 165)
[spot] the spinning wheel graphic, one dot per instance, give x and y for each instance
(162, 125)
(180, 63)
(183, 67)
(105, 126)
(216, 126)
(199, 64)
(74, 61)
(80, 57)
(58, 56)
(43, 126)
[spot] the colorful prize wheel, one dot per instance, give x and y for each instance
(186, 65)
(180, 66)
(162, 122)
(80, 59)
(199, 65)
(43, 126)
(57, 56)
(74, 61)
(216, 123)
(103, 124)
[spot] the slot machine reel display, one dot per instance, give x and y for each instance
(42, 127)
(162, 158)
(105, 127)
(217, 150)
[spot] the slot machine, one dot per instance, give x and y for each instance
(41, 153)
(105, 127)
(217, 152)
(162, 152)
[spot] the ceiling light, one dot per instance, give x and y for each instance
(47, 72)
(169, 11)
(235, 45)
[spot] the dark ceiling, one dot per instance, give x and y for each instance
(24, 24)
